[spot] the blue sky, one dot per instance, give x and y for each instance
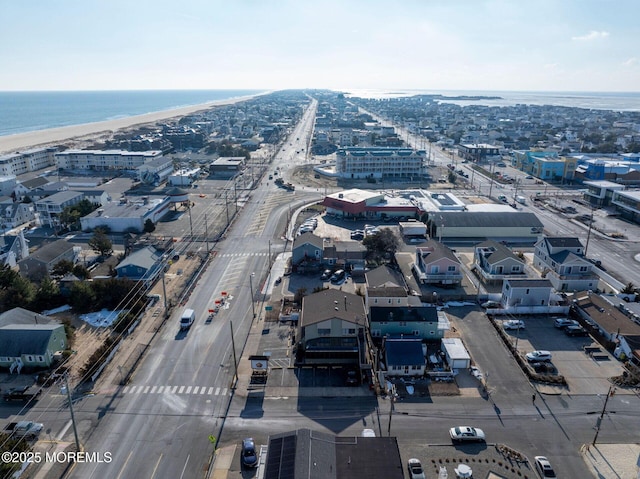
(538, 45)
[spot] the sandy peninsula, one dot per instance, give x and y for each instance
(32, 139)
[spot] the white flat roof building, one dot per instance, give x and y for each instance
(103, 160)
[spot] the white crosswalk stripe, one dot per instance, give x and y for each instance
(192, 390)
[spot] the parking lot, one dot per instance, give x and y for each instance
(585, 373)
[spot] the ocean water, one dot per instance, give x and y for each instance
(21, 112)
(617, 101)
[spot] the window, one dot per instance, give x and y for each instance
(527, 291)
(30, 358)
(451, 269)
(41, 359)
(376, 333)
(583, 269)
(324, 332)
(350, 331)
(415, 332)
(389, 301)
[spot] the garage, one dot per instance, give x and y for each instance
(456, 354)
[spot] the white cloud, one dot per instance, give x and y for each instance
(592, 35)
(631, 62)
(551, 66)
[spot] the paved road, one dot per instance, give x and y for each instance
(158, 426)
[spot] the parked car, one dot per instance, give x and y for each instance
(466, 434)
(326, 274)
(538, 356)
(338, 276)
(357, 235)
(544, 467)
(248, 454)
(491, 304)
(574, 330)
(415, 469)
(561, 322)
(513, 324)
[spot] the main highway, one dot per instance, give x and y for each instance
(164, 423)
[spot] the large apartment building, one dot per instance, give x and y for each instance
(380, 163)
(102, 160)
(22, 162)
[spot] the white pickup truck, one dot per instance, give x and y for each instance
(26, 429)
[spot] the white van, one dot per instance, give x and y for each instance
(187, 319)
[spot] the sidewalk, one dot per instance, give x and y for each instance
(612, 461)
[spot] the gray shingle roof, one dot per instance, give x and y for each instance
(308, 238)
(51, 251)
(563, 242)
(332, 303)
(529, 283)
(24, 317)
(17, 339)
(145, 258)
(383, 276)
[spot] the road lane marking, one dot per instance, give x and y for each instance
(125, 390)
(173, 389)
(133, 389)
(181, 389)
(210, 390)
(161, 388)
(224, 392)
(217, 391)
(203, 389)
(153, 473)
(146, 390)
(195, 389)
(188, 391)
(124, 465)
(185, 466)
(153, 389)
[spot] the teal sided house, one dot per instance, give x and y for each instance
(28, 339)
(424, 322)
(143, 265)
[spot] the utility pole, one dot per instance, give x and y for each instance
(586, 247)
(235, 359)
(253, 306)
(610, 393)
(226, 204)
(190, 222)
(73, 418)
(164, 294)
(206, 233)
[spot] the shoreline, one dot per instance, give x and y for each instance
(41, 138)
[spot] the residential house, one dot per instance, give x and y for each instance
(422, 322)
(13, 249)
(495, 262)
(29, 339)
(404, 357)
(307, 454)
(436, 264)
(24, 188)
(51, 207)
(517, 293)
(386, 287)
(307, 248)
(143, 265)
(39, 264)
(332, 328)
(617, 321)
(561, 260)
(349, 254)
(14, 214)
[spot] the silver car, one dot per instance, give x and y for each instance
(466, 434)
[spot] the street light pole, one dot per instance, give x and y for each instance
(253, 306)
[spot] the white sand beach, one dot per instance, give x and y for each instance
(32, 139)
